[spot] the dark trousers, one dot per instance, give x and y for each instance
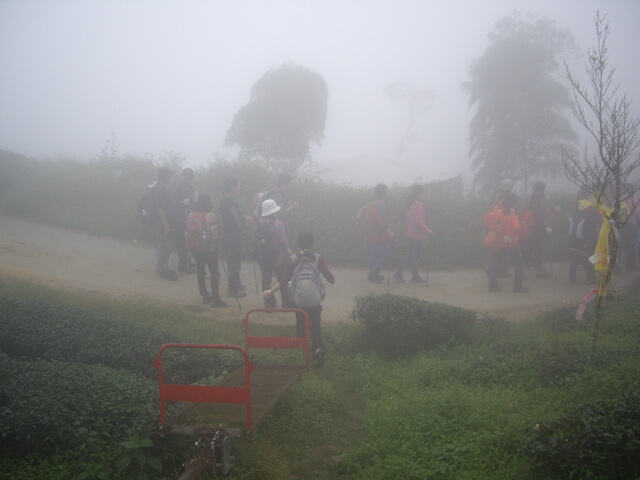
(500, 258)
(179, 229)
(232, 245)
(412, 259)
(266, 273)
(203, 261)
(628, 239)
(163, 248)
(379, 256)
(316, 332)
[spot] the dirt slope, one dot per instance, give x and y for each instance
(101, 266)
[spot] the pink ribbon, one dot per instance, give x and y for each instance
(584, 301)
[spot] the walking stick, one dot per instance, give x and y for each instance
(255, 275)
(227, 275)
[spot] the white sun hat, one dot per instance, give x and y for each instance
(269, 207)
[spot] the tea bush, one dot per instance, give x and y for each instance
(397, 325)
(594, 440)
(46, 406)
(50, 331)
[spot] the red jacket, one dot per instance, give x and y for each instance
(509, 224)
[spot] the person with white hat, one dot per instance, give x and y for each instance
(271, 249)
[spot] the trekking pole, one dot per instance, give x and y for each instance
(227, 275)
(255, 276)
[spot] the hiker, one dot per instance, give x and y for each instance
(233, 224)
(280, 195)
(505, 187)
(182, 195)
(202, 242)
(317, 265)
(503, 190)
(505, 221)
(533, 229)
(271, 250)
(382, 235)
(416, 231)
(160, 201)
(583, 235)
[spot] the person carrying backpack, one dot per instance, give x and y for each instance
(271, 250)
(302, 278)
(201, 241)
(508, 226)
(160, 202)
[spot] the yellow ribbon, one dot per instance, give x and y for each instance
(600, 258)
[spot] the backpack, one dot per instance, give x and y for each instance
(306, 287)
(201, 234)
(363, 223)
(264, 251)
(576, 225)
(147, 213)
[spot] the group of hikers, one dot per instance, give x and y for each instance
(186, 220)
(520, 236)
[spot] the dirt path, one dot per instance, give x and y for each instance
(100, 266)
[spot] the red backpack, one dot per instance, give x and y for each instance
(202, 232)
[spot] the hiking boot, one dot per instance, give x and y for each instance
(319, 357)
(217, 303)
(398, 278)
(418, 280)
(542, 274)
(168, 275)
(494, 287)
(238, 294)
(206, 299)
(520, 289)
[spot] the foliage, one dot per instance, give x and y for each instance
(51, 331)
(397, 325)
(62, 405)
(594, 440)
(287, 112)
(519, 125)
(140, 458)
(609, 174)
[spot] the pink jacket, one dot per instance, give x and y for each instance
(414, 225)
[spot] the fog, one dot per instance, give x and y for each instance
(170, 75)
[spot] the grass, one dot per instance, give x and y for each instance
(450, 413)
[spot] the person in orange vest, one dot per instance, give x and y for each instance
(506, 220)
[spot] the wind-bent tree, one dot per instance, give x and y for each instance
(519, 122)
(607, 170)
(414, 103)
(286, 112)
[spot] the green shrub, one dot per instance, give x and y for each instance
(51, 331)
(594, 440)
(399, 325)
(59, 405)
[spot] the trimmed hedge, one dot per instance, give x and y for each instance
(58, 405)
(399, 325)
(594, 440)
(49, 331)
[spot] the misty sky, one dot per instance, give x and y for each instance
(170, 75)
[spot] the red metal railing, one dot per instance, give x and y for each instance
(220, 394)
(204, 393)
